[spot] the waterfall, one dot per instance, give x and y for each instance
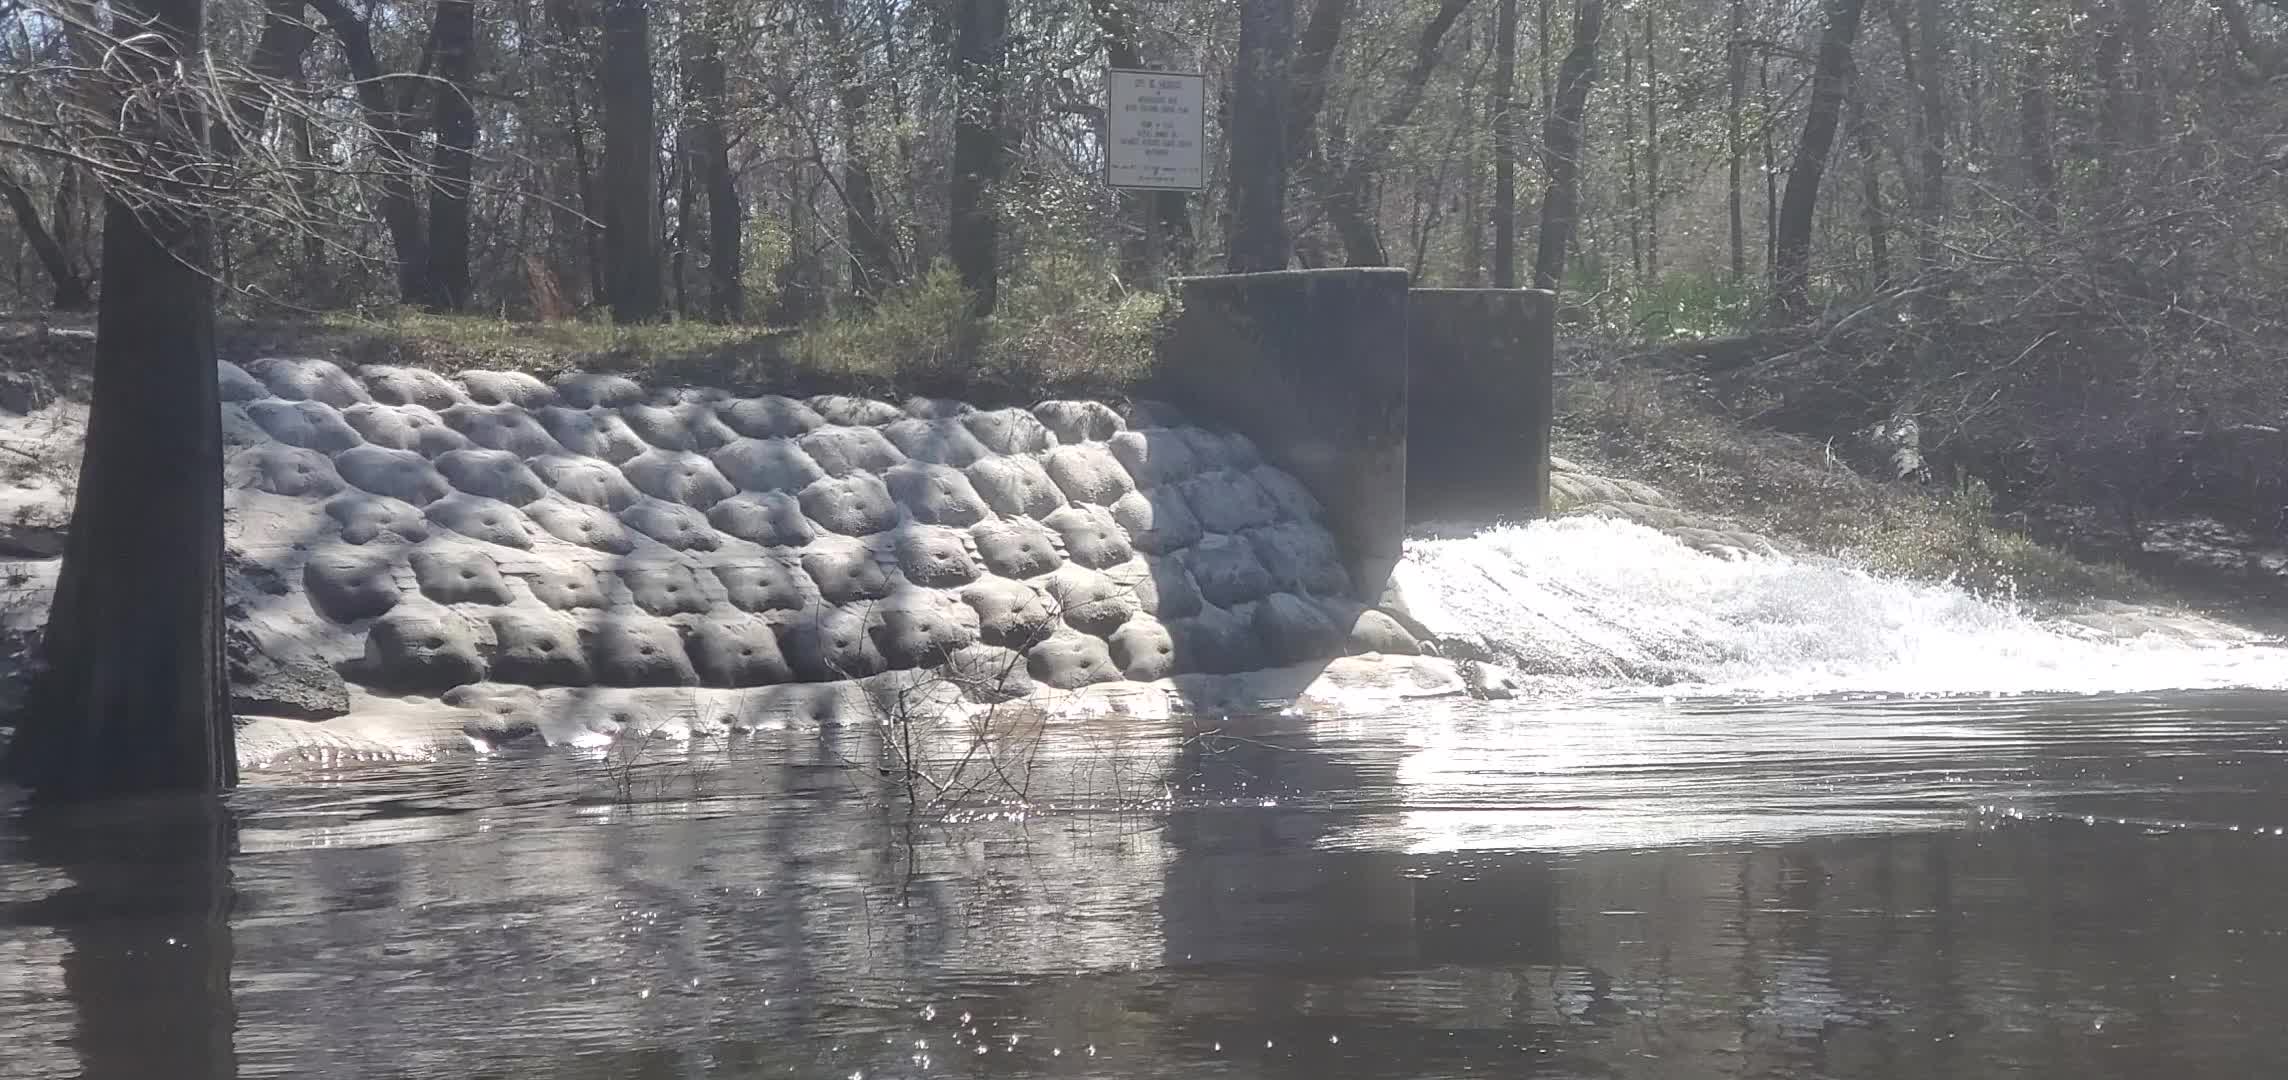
(1604, 605)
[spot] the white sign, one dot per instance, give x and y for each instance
(1155, 129)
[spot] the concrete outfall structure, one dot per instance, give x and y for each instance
(1394, 405)
(1313, 365)
(1480, 395)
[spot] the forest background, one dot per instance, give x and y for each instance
(2038, 241)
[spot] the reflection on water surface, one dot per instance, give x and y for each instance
(1898, 889)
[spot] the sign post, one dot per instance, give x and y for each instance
(1155, 123)
(1154, 148)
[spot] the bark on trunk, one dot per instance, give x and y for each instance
(974, 233)
(1351, 202)
(1830, 82)
(456, 126)
(1929, 76)
(388, 105)
(2034, 125)
(2106, 55)
(576, 211)
(1307, 75)
(307, 167)
(1505, 146)
(1544, 48)
(1735, 145)
(2145, 85)
(70, 288)
(682, 235)
(1652, 145)
(1258, 137)
(276, 64)
(873, 255)
(134, 698)
(1872, 213)
(631, 161)
(591, 214)
(710, 168)
(1632, 197)
(1770, 156)
(2235, 16)
(1564, 137)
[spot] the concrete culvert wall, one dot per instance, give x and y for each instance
(432, 533)
(1312, 365)
(1480, 394)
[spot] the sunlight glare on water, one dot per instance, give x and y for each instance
(1666, 870)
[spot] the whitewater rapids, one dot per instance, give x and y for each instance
(1602, 605)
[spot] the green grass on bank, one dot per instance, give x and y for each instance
(1040, 344)
(1657, 427)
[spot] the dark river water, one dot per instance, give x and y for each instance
(1959, 887)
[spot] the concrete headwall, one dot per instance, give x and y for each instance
(1311, 365)
(1479, 389)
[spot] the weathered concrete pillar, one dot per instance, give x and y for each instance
(1311, 364)
(1479, 391)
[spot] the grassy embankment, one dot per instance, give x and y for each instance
(1040, 346)
(1632, 422)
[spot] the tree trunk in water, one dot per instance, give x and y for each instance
(70, 288)
(134, 698)
(631, 163)
(1735, 144)
(710, 168)
(155, 1001)
(1830, 81)
(456, 121)
(974, 231)
(1505, 146)
(1258, 137)
(2034, 124)
(1564, 137)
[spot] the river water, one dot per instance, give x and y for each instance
(1893, 872)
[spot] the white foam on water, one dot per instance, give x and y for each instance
(1609, 604)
